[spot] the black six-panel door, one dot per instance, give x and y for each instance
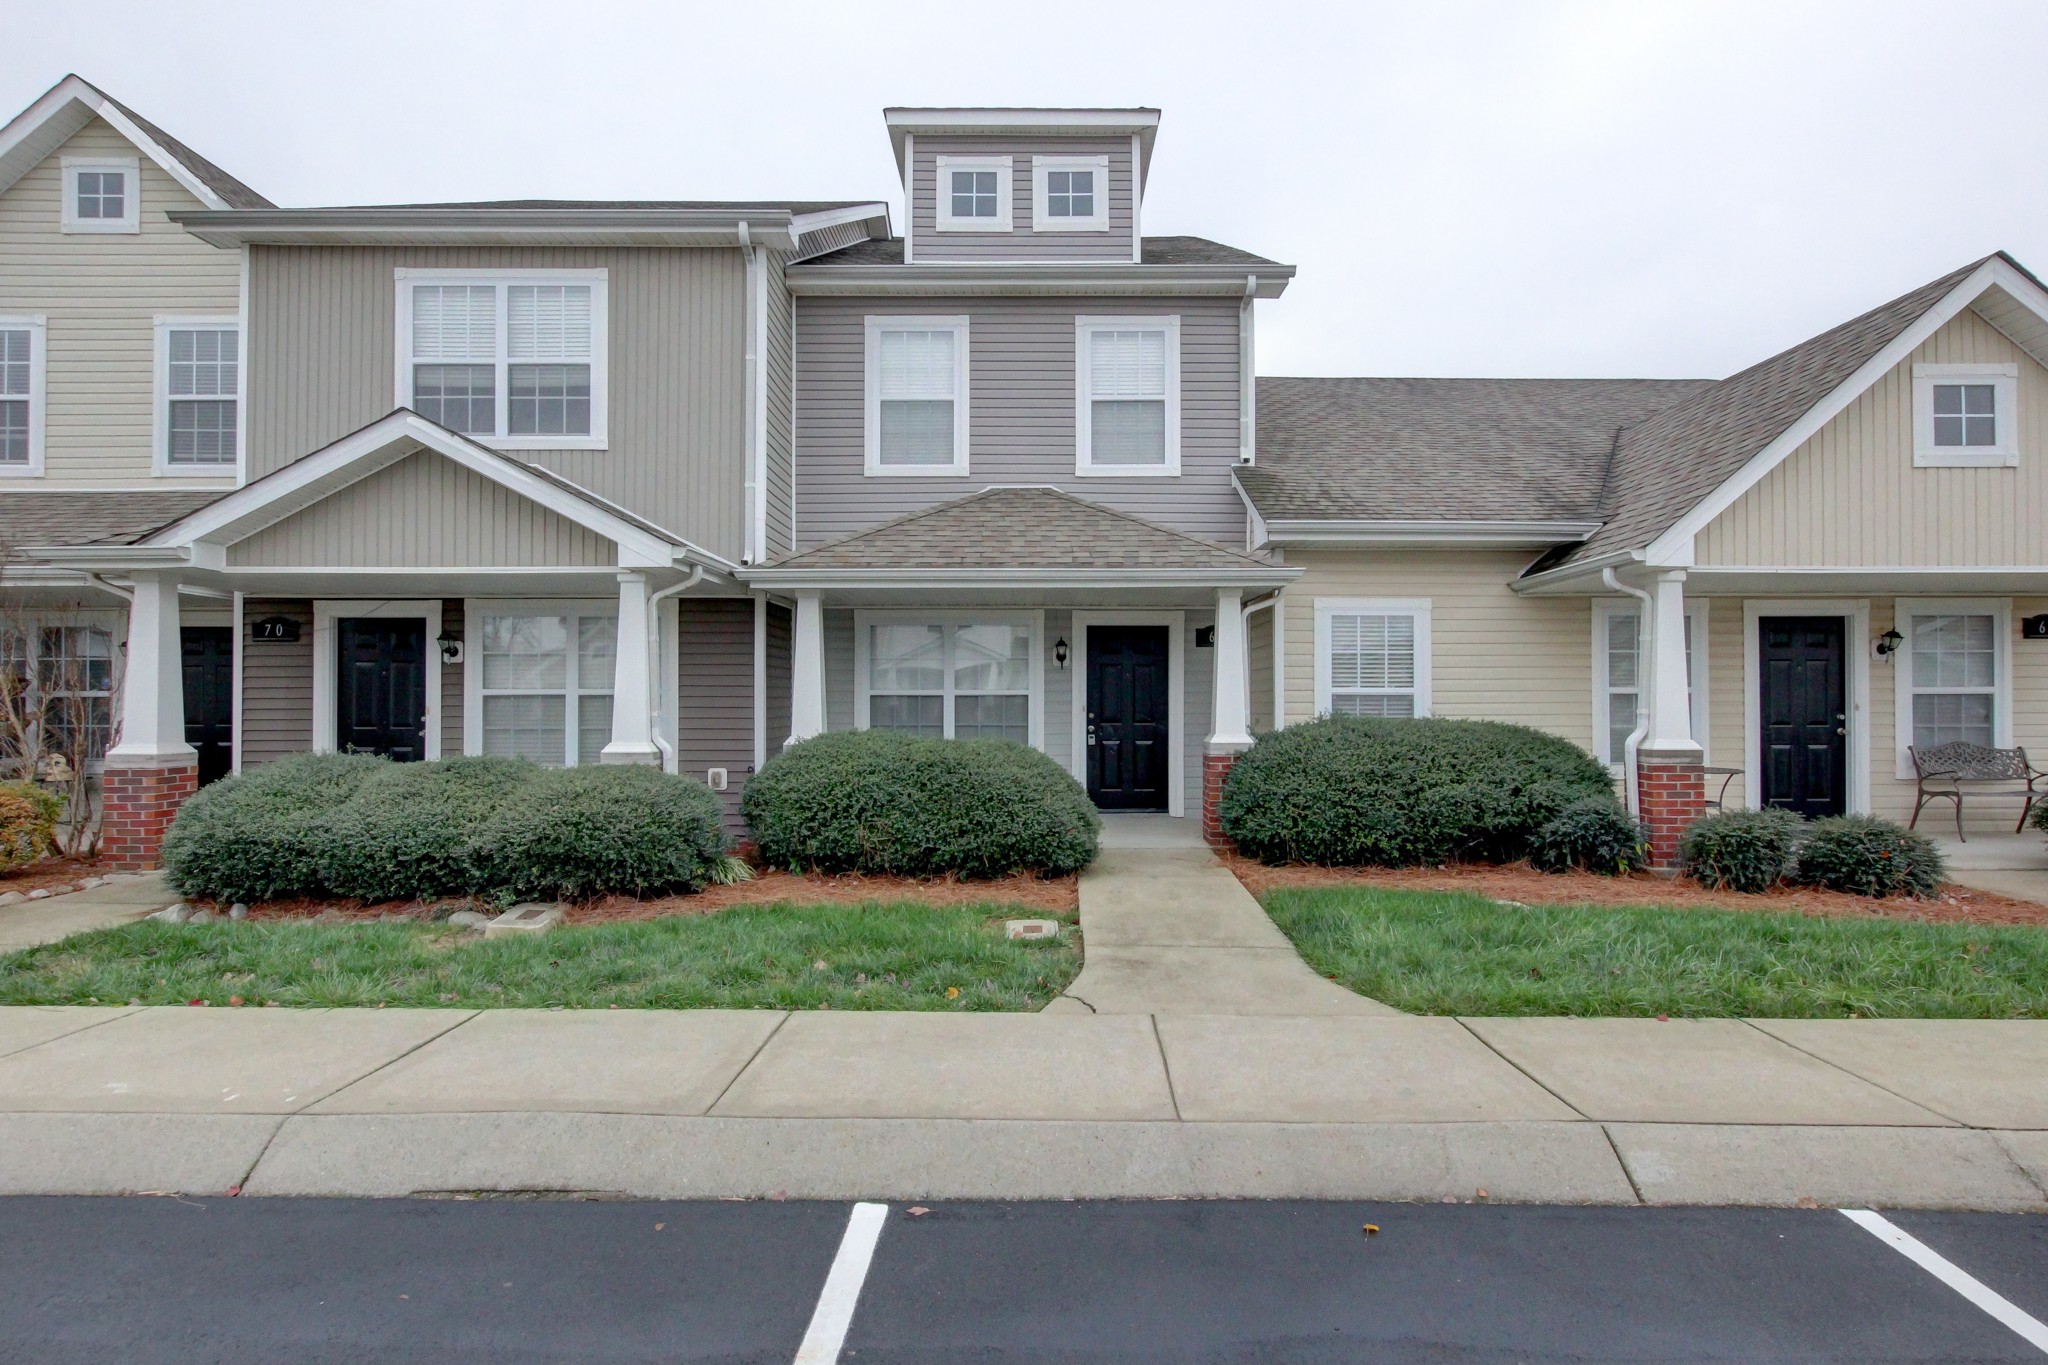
(209, 662)
(1805, 713)
(381, 701)
(1127, 717)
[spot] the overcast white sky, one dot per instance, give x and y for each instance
(1468, 189)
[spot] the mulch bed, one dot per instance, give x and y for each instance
(48, 872)
(1521, 882)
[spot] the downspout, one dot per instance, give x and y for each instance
(125, 594)
(1646, 663)
(655, 660)
(757, 394)
(1248, 382)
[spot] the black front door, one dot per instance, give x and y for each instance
(1127, 717)
(209, 657)
(380, 706)
(1805, 714)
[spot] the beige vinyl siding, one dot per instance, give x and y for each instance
(1020, 243)
(277, 686)
(1259, 668)
(1727, 743)
(781, 377)
(715, 693)
(322, 365)
(101, 294)
(425, 511)
(1021, 413)
(1851, 495)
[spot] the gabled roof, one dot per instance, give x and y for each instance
(1141, 123)
(72, 103)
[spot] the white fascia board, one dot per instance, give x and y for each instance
(1119, 278)
(1513, 535)
(1140, 123)
(1674, 546)
(118, 558)
(55, 118)
(1251, 576)
(801, 223)
(1259, 535)
(769, 228)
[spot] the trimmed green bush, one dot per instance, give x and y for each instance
(28, 823)
(1742, 850)
(358, 826)
(1866, 856)
(1352, 791)
(876, 801)
(1594, 833)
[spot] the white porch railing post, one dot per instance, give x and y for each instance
(807, 668)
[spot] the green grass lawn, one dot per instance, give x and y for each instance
(1435, 952)
(876, 957)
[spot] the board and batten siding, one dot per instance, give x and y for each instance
(322, 364)
(715, 694)
(1021, 243)
(101, 294)
(1851, 496)
(277, 685)
(1021, 413)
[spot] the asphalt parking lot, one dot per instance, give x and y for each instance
(529, 1280)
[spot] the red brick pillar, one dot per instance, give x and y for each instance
(1671, 794)
(1215, 768)
(136, 807)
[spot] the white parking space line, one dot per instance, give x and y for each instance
(2031, 1328)
(834, 1313)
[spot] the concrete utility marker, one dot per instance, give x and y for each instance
(2030, 1328)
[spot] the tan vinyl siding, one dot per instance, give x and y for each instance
(1021, 243)
(1851, 495)
(277, 686)
(1021, 413)
(715, 693)
(1259, 668)
(101, 294)
(781, 376)
(323, 366)
(425, 511)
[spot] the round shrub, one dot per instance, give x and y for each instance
(1351, 791)
(880, 802)
(1742, 850)
(1866, 856)
(262, 835)
(581, 832)
(28, 823)
(1594, 833)
(418, 830)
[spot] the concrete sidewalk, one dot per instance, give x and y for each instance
(125, 897)
(841, 1105)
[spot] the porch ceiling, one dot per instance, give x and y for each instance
(1166, 598)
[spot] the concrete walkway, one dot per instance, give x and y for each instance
(2009, 864)
(30, 924)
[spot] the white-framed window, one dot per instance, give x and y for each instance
(102, 194)
(1127, 396)
(1619, 694)
(1372, 656)
(1965, 415)
(1954, 673)
(539, 678)
(1070, 193)
(515, 358)
(971, 675)
(21, 395)
(974, 193)
(916, 370)
(198, 395)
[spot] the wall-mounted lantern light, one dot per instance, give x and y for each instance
(1059, 651)
(1888, 644)
(451, 648)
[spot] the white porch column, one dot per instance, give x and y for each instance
(153, 687)
(807, 667)
(1232, 707)
(1670, 730)
(633, 679)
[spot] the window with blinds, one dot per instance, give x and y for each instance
(514, 362)
(917, 395)
(202, 383)
(1372, 664)
(546, 690)
(1129, 401)
(1953, 663)
(17, 396)
(949, 680)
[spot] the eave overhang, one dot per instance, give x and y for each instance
(775, 229)
(1250, 576)
(1141, 123)
(1363, 531)
(1068, 278)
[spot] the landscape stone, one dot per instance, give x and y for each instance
(238, 911)
(468, 919)
(1031, 928)
(532, 917)
(201, 916)
(174, 914)
(12, 898)
(40, 893)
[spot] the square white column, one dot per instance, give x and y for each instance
(1231, 728)
(807, 668)
(1670, 729)
(633, 683)
(153, 687)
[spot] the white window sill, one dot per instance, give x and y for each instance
(21, 471)
(991, 227)
(88, 228)
(1952, 458)
(195, 471)
(1126, 471)
(915, 471)
(542, 442)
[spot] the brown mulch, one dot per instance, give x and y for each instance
(48, 872)
(1521, 882)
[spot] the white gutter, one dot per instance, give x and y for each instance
(1645, 664)
(1248, 380)
(654, 665)
(757, 399)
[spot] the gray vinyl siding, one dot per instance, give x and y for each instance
(781, 376)
(1021, 413)
(1020, 243)
(1200, 672)
(838, 670)
(778, 680)
(277, 686)
(1259, 662)
(1059, 690)
(451, 681)
(715, 693)
(321, 365)
(425, 511)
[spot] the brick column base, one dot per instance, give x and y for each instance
(136, 806)
(1671, 795)
(1215, 768)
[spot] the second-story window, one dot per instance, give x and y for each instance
(1965, 414)
(100, 195)
(916, 395)
(1070, 193)
(199, 386)
(1127, 408)
(20, 395)
(515, 359)
(973, 194)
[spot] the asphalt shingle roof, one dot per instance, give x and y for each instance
(34, 518)
(233, 192)
(1155, 251)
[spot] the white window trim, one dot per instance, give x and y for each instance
(474, 609)
(2004, 379)
(130, 222)
(160, 443)
(1084, 466)
(1042, 220)
(1034, 708)
(600, 349)
(1176, 694)
(871, 439)
(942, 198)
(326, 682)
(1417, 607)
(37, 326)
(1856, 651)
(1904, 609)
(1697, 630)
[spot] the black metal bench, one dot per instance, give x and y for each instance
(1951, 771)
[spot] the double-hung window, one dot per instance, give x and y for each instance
(1955, 665)
(517, 359)
(1070, 193)
(916, 395)
(21, 395)
(1127, 401)
(198, 386)
(1372, 657)
(973, 194)
(62, 703)
(545, 686)
(101, 194)
(1965, 415)
(1620, 678)
(951, 679)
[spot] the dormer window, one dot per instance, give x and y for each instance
(1070, 193)
(974, 194)
(100, 195)
(1965, 415)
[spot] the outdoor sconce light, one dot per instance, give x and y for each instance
(451, 648)
(1059, 651)
(1888, 644)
